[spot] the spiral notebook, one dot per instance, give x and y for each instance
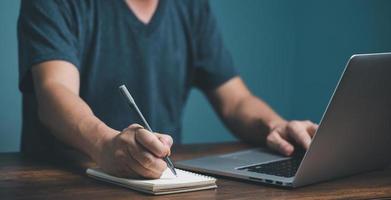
(167, 184)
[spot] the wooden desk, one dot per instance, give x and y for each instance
(21, 178)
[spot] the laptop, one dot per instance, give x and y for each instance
(354, 135)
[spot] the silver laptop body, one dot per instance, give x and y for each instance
(354, 134)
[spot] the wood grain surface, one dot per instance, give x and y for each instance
(59, 177)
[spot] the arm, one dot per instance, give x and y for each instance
(71, 120)
(63, 111)
(254, 121)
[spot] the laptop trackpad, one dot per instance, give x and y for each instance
(252, 156)
(232, 160)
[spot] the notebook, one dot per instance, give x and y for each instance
(168, 183)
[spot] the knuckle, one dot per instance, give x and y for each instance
(162, 152)
(294, 123)
(126, 131)
(292, 126)
(124, 140)
(134, 126)
(133, 129)
(269, 138)
(169, 139)
(147, 160)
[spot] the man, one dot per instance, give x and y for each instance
(75, 53)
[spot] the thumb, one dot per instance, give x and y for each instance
(165, 139)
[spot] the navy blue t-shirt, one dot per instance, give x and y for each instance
(160, 62)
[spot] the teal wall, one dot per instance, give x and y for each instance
(10, 102)
(290, 53)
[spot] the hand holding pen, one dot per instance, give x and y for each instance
(133, 152)
(129, 99)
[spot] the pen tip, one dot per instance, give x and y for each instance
(173, 171)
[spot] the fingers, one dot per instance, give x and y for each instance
(152, 143)
(134, 127)
(124, 171)
(118, 167)
(141, 160)
(276, 142)
(146, 159)
(298, 131)
(165, 139)
(129, 167)
(156, 167)
(311, 128)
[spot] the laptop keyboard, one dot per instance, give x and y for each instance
(285, 168)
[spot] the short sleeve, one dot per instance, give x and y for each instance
(213, 62)
(45, 32)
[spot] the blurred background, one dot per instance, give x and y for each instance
(290, 53)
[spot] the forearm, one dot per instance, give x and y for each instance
(70, 119)
(251, 119)
(254, 121)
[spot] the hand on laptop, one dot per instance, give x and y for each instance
(135, 152)
(284, 136)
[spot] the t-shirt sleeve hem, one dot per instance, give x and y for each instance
(26, 81)
(217, 80)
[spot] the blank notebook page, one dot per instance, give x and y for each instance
(167, 183)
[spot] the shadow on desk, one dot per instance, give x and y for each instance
(64, 178)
